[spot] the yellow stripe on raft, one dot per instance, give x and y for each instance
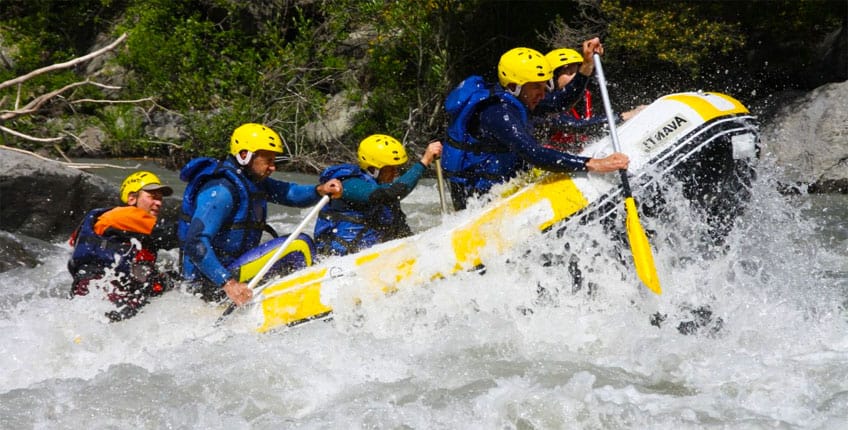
(707, 110)
(558, 190)
(298, 299)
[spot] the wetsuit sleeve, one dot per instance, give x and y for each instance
(564, 99)
(567, 120)
(503, 123)
(291, 194)
(215, 204)
(359, 191)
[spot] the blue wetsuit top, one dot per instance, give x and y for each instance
(551, 120)
(501, 122)
(368, 213)
(206, 240)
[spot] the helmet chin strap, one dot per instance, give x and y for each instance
(514, 92)
(243, 160)
(374, 172)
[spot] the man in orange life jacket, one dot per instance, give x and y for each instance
(115, 248)
(569, 130)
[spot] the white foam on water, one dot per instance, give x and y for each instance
(515, 347)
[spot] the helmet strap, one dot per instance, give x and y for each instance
(515, 91)
(243, 157)
(373, 172)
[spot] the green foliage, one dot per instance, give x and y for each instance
(221, 63)
(189, 60)
(44, 32)
(50, 31)
(405, 64)
(124, 126)
(681, 35)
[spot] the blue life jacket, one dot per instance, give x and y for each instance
(345, 227)
(94, 253)
(245, 230)
(467, 160)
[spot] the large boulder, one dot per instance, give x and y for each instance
(46, 199)
(18, 251)
(808, 137)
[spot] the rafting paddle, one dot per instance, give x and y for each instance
(643, 257)
(278, 253)
(439, 177)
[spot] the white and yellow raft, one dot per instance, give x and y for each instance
(708, 132)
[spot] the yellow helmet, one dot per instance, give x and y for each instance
(563, 57)
(380, 150)
(252, 137)
(142, 181)
(521, 65)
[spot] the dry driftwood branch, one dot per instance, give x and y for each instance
(64, 65)
(39, 101)
(30, 138)
(146, 99)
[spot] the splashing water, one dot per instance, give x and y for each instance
(554, 334)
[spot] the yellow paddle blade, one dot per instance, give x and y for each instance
(643, 258)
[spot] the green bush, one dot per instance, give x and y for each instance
(221, 63)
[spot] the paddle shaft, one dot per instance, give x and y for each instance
(602, 82)
(643, 258)
(280, 250)
(279, 253)
(440, 178)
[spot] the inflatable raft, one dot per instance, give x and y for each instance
(709, 141)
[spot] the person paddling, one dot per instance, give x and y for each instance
(115, 249)
(369, 211)
(490, 136)
(570, 129)
(224, 213)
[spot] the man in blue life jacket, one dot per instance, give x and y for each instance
(115, 249)
(490, 136)
(369, 211)
(224, 212)
(572, 128)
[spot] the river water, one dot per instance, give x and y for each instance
(514, 348)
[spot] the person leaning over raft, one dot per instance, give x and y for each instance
(224, 211)
(572, 128)
(115, 248)
(369, 211)
(490, 137)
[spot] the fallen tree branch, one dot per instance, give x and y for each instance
(146, 99)
(62, 153)
(37, 102)
(30, 138)
(64, 65)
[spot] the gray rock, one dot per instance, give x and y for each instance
(21, 251)
(45, 199)
(809, 139)
(91, 141)
(336, 120)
